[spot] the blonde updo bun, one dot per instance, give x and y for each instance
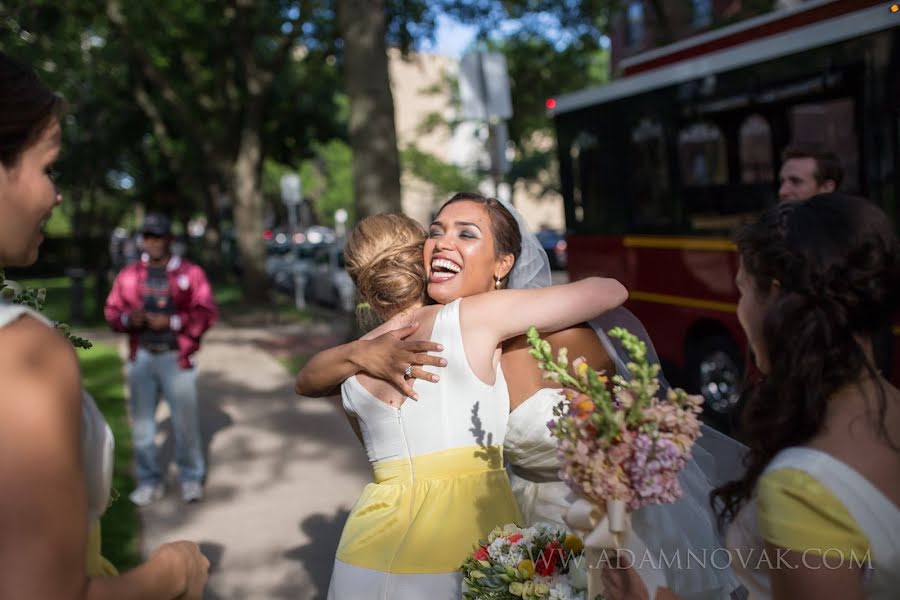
(384, 258)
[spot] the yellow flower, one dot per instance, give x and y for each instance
(573, 543)
(527, 567)
(516, 588)
(581, 369)
(477, 575)
(541, 589)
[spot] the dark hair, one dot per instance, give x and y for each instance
(27, 107)
(828, 165)
(836, 259)
(507, 237)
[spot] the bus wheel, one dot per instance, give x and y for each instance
(715, 372)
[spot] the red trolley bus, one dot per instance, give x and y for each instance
(660, 166)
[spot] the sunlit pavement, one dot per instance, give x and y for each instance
(283, 474)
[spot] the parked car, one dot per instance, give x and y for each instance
(288, 264)
(328, 282)
(554, 243)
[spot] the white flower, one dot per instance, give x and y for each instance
(578, 575)
(561, 590)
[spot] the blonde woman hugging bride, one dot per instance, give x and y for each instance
(440, 483)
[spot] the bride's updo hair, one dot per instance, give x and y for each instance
(384, 258)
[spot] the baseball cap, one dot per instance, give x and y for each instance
(156, 224)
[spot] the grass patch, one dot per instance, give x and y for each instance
(293, 362)
(102, 371)
(58, 305)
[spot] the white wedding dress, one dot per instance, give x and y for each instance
(672, 529)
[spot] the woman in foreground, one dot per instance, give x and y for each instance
(56, 448)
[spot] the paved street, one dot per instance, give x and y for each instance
(283, 473)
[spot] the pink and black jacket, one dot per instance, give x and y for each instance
(195, 309)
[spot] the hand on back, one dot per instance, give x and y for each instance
(390, 355)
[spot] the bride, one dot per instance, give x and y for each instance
(530, 448)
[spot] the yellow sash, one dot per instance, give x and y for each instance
(425, 514)
(97, 566)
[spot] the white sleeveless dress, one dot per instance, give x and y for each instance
(440, 485)
(530, 449)
(97, 454)
(876, 516)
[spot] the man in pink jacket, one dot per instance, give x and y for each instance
(165, 304)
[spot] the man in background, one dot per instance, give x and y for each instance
(165, 304)
(806, 172)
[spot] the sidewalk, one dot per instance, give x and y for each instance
(283, 473)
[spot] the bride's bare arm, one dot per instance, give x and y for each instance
(500, 315)
(385, 357)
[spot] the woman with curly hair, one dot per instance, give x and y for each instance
(817, 513)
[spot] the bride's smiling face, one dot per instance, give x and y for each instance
(460, 253)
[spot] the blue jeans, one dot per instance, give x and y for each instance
(148, 374)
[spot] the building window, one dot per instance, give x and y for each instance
(702, 155)
(756, 150)
(634, 24)
(702, 13)
(649, 190)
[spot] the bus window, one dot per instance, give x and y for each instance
(702, 155)
(649, 174)
(830, 125)
(584, 187)
(756, 151)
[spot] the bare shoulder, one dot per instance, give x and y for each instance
(40, 375)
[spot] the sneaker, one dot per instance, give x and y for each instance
(191, 491)
(147, 493)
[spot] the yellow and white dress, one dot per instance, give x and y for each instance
(440, 484)
(97, 446)
(808, 501)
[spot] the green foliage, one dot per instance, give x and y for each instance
(101, 370)
(446, 178)
(331, 174)
(35, 299)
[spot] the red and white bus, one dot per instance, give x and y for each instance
(660, 166)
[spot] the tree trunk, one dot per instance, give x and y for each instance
(373, 138)
(248, 213)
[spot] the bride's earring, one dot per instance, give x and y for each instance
(497, 284)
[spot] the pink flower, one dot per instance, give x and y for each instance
(481, 554)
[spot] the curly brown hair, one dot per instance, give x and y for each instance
(836, 259)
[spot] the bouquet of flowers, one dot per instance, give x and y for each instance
(543, 562)
(622, 449)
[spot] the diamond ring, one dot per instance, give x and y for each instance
(408, 371)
